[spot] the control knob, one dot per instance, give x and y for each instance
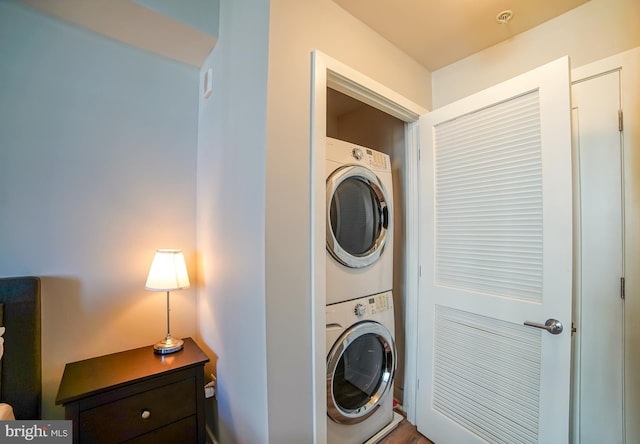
(356, 153)
(360, 310)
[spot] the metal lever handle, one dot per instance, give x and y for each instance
(553, 326)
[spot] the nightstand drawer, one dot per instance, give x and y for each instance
(183, 431)
(138, 414)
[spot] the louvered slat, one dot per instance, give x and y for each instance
(475, 387)
(489, 200)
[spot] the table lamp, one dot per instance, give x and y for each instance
(168, 272)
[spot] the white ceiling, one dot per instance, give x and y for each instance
(439, 32)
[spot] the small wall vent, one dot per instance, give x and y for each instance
(504, 16)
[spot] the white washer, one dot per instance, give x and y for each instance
(359, 225)
(361, 364)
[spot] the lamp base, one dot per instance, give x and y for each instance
(168, 345)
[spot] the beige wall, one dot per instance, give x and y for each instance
(595, 30)
(230, 222)
(296, 29)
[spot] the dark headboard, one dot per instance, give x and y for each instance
(21, 383)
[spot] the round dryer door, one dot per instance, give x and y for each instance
(360, 370)
(358, 216)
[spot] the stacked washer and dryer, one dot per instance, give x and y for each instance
(361, 359)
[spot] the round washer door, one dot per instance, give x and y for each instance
(360, 370)
(358, 216)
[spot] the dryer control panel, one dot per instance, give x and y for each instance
(378, 160)
(348, 153)
(373, 159)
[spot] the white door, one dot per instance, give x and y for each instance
(496, 252)
(599, 267)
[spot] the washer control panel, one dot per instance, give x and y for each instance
(373, 304)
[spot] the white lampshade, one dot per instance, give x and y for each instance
(168, 271)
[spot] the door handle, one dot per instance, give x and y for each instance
(553, 326)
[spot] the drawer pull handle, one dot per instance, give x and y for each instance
(145, 414)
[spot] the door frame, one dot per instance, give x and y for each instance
(329, 72)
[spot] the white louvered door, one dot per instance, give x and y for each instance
(496, 251)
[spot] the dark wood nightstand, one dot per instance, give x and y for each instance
(136, 396)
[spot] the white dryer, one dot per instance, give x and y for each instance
(359, 226)
(361, 364)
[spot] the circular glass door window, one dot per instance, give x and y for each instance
(358, 216)
(360, 371)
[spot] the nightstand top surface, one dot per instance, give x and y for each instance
(94, 375)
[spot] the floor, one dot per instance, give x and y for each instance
(405, 433)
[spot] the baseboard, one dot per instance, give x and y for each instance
(384, 432)
(211, 438)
